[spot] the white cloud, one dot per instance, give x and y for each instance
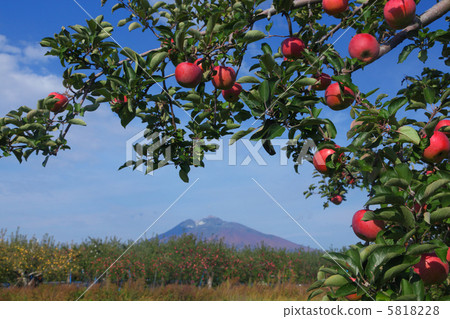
(20, 83)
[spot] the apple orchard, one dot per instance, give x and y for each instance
(398, 148)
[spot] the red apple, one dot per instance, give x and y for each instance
(366, 230)
(323, 81)
(199, 64)
(334, 7)
(334, 100)
(336, 199)
(224, 77)
(292, 48)
(439, 148)
(188, 75)
(61, 104)
(419, 208)
(353, 297)
(320, 159)
(232, 95)
(431, 269)
(119, 101)
(364, 47)
(448, 255)
(399, 13)
(443, 123)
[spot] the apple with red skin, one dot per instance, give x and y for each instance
(188, 75)
(320, 159)
(448, 255)
(223, 78)
(323, 81)
(399, 13)
(61, 104)
(439, 148)
(353, 297)
(198, 62)
(232, 95)
(366, 230)
(117, 103)
(431, 269)
(364, 47)
(443, 123)
(418, 208)
(292, 48)
(334, 99)
(334, 7)
(336, 199)
(120, 101)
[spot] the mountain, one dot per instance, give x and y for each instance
(233, 234)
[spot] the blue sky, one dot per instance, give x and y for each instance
(81, 193)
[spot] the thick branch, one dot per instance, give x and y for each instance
(431, 15)
(297, 4)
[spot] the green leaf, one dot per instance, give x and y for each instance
(248, 79)
(315, 293)
(316, 284)
(264, 91)
(418, 287)
(395, 270)
(429, 94)
(238, 135)
(405, 52)
(408, 217)
(305, 82)
(134, 26)
(396, 105)
(346, 289)
(406, 287)
(335, 281)
(366, 251)
(418, 249)
(399, 182)
(440, 214)
(157, 59)
(184, 176)
(380, 256)
(409, 134)
(77, 122)
(268, 61)
(386, 199)
(254, 35)
(423, 55)
(410, 297)
(432, 188)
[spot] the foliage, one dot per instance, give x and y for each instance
(383, 155)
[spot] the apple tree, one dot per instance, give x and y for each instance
(397, 147)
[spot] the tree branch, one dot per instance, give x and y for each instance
(431, 15)
(297, 4)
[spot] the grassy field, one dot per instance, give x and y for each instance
(138, 291)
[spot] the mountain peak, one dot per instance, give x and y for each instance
(232, 234)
